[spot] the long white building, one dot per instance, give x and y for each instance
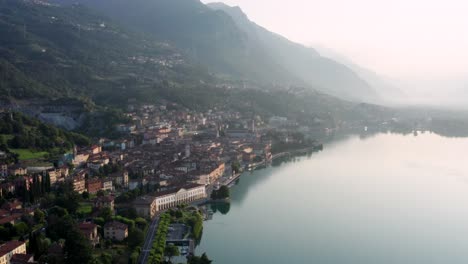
(183, 195)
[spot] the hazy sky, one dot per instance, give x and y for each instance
(404, 39)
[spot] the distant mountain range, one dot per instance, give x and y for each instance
(387, 89)
(227, 43)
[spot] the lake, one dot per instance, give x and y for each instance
(384, 199)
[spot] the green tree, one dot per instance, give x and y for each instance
(106, 213)
(236, 167)
(199, 260)
(39, 216)
(171, 251)
(21, 229)
(77, 248)
(135, 238)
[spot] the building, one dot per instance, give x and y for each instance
(11, 248)
(183, 195)
(96, 149)
(17, 170)
(79, 185)
(89, 230)
(3, 170)
(145, 206)
(107, 185)
(93, 185)
(115, 231)
(120, 178)
(22, 259)
(104, 201)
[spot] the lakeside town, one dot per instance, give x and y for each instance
(134, 198)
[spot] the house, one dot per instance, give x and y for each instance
(79, 184)
(3, 170)
(145, 206)
(115, 231)
(18, 170)
(104, 201)
(11, 248)
(22, 259)
(93, 185)
(107, 185)
(95, 149)
(90, 231)
(80, 159)
(120, 178)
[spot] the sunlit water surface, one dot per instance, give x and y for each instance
(385, 199)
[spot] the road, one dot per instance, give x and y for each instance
(145, 251)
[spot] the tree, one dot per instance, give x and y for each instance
(236, 167)
(199, 260)
(135, 238)
(106, 213)
(21, 229)
(77, 248)
(39, 216)
(85, 195)
(101, 193)
(171, 251)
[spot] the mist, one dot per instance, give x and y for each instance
(416, 46)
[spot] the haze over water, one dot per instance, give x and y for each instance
(385, 199)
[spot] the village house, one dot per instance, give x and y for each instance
(18, 170)
(145, 206)
(80, 158)
(93, 185)
(79, 184)
(95, 149)
(90, 231)
(22, 259)
(11, 248)
(120, 178)
(104, 201)
(115, 231)
(107, 184)
(3, 170)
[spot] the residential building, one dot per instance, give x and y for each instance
(120, 178)
(22, 259)
(107, 185)
(115, 231)
(104, 201)
(11, 248)
(93, 185)
(18, 170)
(90, 231)
(184, 195)
(3, 170)
(145, 206)
(79, 185)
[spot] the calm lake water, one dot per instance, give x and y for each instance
(385, 199)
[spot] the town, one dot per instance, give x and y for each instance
(134, 198)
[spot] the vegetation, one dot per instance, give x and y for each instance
(29, 138)
(199, 260)
(159, 244)
(221, 193)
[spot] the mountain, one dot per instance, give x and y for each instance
(321, 72)
(227, 43)
(50, 51)
(386, 88)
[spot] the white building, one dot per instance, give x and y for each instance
(184, 195)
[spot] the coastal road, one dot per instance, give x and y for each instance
(145, 251)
